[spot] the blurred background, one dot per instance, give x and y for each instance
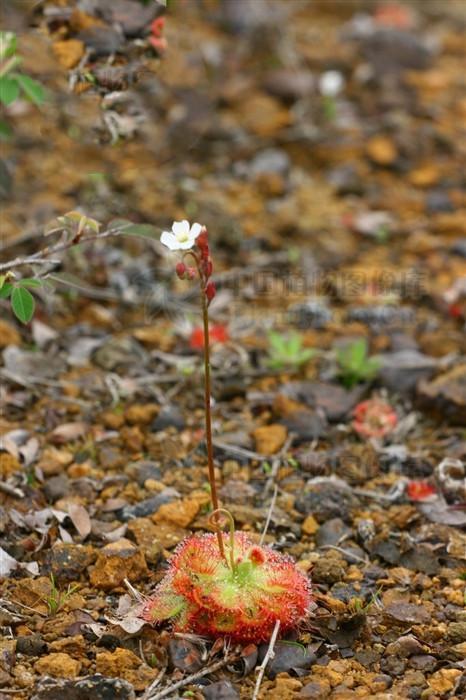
(330, 131)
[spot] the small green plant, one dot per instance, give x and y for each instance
(355, 365)
(12, 83)
(286, 351)
(56, 598)
(17, 291)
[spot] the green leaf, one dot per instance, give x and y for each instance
(6, 131)
(294, 344)
(9, 90)
(306, 355)
(5, 290)
(277, 342)
(23, 304)
(130, 229)
(30, 282)
(358, 352)
(7, 44)
(31, 88)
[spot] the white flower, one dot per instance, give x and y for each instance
(331, 83)
(182, 236)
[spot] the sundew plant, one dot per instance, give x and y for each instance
(222, 583)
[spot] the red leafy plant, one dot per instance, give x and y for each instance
(218, 334)
(222, 584)
(374, 418)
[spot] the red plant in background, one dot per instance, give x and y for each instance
(374, 418)
(241, 596)
(218, 333)
(394, 15)
(156, 38)
(420, 491)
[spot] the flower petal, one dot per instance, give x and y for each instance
(181, 228)
(195, 231)
(168, 239)
(185, 245)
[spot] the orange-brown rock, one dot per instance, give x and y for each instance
(269, 438)
(117, 561)
(58, 665)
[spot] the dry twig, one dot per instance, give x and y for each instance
(269, 655)
(193, 677)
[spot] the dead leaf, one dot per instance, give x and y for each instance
(80, 519)
(67, 432)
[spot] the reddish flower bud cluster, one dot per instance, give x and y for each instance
(206, 265)
(202, 594)
(185, 272)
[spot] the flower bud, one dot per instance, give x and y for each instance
(191, 273)
(208, 267)
(181, 270)
(210, 291)
(202, 242)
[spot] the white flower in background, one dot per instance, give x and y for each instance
(331, 83)
(182, 236)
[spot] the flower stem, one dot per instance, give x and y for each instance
(208, 418)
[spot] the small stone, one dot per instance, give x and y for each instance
(401, 371)
(269, 438)
(94, 687)
(446, 395)
(457, 632)
(381, 150)
(393, 665)
(54, 461)
(102, 40)
(8, 335)
(423, 662)
(67, 562)
(123, 663)
(58, 665)
(222, 690)
(443, 681)
(404, 646)
(148, 506)
(68, 52)
(117, 561)
(111, 420)
(169, 417)
(329, 568)
(142, 471)
(31, 645)
(332, 532)
(180, 513)
(407, 613)
(56, 487)
(326, 499)
(111, 458)
(141, 414)
(74, 645)
(310, 525)
(315, 690)
(144, 532)
(8, 465)
(113, 663)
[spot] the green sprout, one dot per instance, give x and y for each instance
(355, 365)
(56, 598)
(286, 351)
(12, 83)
